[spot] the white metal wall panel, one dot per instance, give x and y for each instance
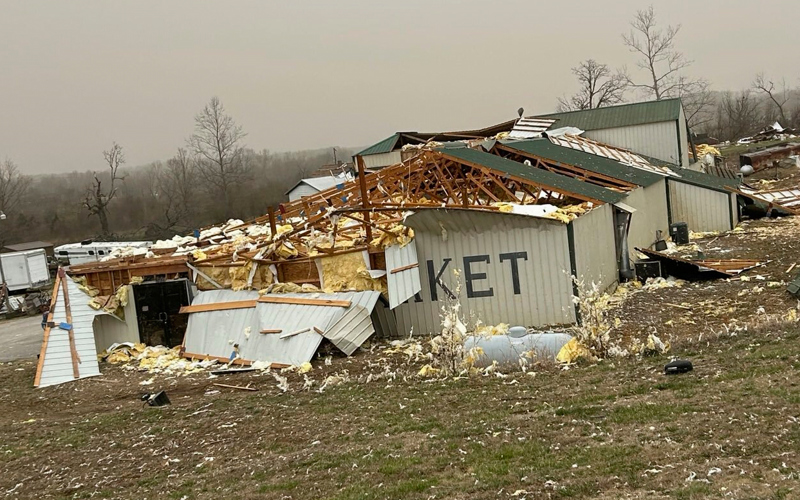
(659, 140)
(702, 209)
(383, 159)
(595, 247)
(57, 365)
(543, 292)
(651, 214)
(404, 284)
(15, 270)
(109, 329)
(300, 191)
(37, 267)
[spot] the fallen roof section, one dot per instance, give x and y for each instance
(613, 153)
(565, 157)
(697, 270)
(565, 185)
(702, 180)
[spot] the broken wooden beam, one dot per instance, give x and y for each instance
(218, 306)
(271, 299)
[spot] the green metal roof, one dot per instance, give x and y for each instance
(624, 115)
(704, 180)
(543, 148)
(559, 183)
(384, 146)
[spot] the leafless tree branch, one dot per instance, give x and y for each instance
(598, 87)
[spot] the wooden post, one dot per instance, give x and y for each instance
(53, 300)
(272, 227)
(72, 349)
(362, 181)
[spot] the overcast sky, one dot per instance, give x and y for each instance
(77, 75)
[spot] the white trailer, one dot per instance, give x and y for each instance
(81, 253)
(24, 270)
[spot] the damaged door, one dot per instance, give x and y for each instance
(157, 306)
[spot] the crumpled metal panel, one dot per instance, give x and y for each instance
(528, 128)
(404, 284)
(216, 332)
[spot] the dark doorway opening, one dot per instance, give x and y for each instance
(157, 306)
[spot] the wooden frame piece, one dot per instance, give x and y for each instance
(218, 306)
(275, 299)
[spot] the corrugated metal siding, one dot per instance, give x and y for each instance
(57, 365)
(544, 284)
(351, 330)
(651, 214)
(215, 332)
(735, 208)
(404, 284)
(384, 320)
(382, 159)
(659, 140)
(702, 209)
(595, 247)
(684, 139)
(301, 190)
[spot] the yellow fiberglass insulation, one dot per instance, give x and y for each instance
(397, 234)
(234, 278)
(349, 272)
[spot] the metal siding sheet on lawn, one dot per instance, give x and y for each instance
(404, 284)
(702, 209)
(595, 247)
(57, 365)
(215, 332)
(545, 289)
(351, 330)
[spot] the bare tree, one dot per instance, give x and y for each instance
(13, 186)
(737, 115)
(97, 199)
(217, 143)
(598, 87)
(698, 101)
(779, 97)
(178, 180)
(655, 48)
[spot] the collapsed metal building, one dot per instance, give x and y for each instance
(509, 225)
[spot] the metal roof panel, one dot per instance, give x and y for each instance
(559, 183)
(624, 115)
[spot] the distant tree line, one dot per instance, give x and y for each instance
(661, 73)
(212, 177)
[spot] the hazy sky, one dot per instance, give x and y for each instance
(77, 75)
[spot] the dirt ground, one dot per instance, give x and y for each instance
(701, 308)
(622, 429)
(612, 429)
